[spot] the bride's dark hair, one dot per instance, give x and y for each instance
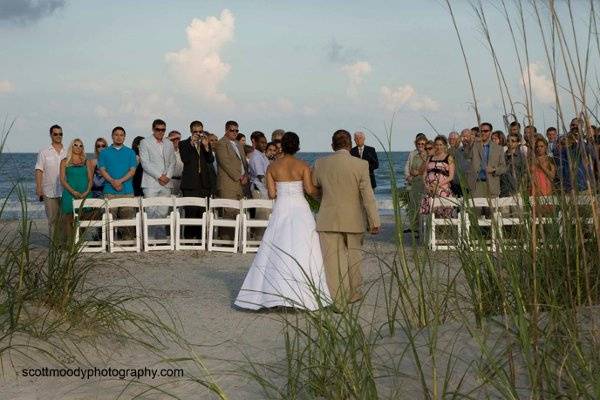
(290, 143)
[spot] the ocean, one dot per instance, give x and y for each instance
(18, 169)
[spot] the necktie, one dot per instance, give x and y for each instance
(360, 151)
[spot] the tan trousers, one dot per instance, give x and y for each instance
(52, 207)
(342, 259)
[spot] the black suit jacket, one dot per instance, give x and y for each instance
(370, 155)
(203, 182)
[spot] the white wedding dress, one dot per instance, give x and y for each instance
(288, 267)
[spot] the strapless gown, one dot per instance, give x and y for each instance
(288, 267)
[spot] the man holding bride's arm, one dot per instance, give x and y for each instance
(347, 209)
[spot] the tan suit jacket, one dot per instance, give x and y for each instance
(348, 203)
(496, 160)
(229, 169)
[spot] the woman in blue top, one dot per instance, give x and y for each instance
(76, 178)
(98, 180)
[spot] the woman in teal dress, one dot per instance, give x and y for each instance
(76, 178)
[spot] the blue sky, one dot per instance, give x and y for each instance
(311, 67)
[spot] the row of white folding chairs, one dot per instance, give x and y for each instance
(501, 213)
(99, 215)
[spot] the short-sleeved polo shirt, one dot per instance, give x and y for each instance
(118, 161)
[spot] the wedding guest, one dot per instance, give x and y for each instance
(47, 178)
(499, 138)
(233, 168)
(416, 185)
(98, 181)
(175, 138)
(212, 140)
(367, 153)
(277, 134)
(241, 138)
(439, 172)
(158, 161)
(453, 142)
(139, 171)
(543, 171)
(552, 136)
(279, 152)
(430, 148)
(198, 177)
(516, 167)
(529, 135)
(76, 179)
(413, 153)
(117, 165)
(271, 151)
(487, 165)
(257, 167)
(514, 128)
(462, 161)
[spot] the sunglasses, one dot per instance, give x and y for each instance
(100, 146)
(234, 130)
(175, 139)
(77, 145)
(485, 130)
(160, 129)
(429, 148)
(57, 133)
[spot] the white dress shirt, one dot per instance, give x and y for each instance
(48, 161)
(360, 151)
(258, 165)
(157, 158)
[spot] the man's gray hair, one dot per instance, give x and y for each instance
(359, 133)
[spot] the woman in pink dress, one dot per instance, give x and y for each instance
(438, 176)
(543, 171)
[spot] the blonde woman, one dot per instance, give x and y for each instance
(76, 177)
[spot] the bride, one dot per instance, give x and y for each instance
(288, 267)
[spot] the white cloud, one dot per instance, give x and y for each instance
(541, 85)
(199, 67)
(6, 87)
(395, 98)
(356, 73)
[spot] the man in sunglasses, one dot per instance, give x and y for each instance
(158, 160)
(47, 177)
(487, 164)
(232, 174)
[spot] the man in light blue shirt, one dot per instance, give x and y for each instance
(117, 164)
(257, 166)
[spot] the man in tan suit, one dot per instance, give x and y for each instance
(232, 170)
(487, 164)
(347, 209)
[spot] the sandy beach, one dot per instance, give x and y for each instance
(197, 290)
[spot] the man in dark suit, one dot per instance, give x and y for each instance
(198, 178)
(367, 153)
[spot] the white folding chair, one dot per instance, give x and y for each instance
(216, 221)
(436, 243)
(167, 243)
(82, 210)
(181, 222)
(481, 220)
(509, 213)
(253, 223)
(135, 223)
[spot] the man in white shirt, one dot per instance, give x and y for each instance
(157, 157)
(47, 177)
(175, 138)
(257, 166)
